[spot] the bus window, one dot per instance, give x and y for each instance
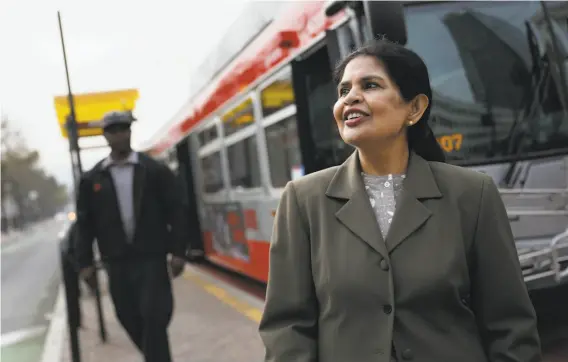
(238, 117)
(244, 170)
(496, 95)
(277, 95)
(283, 152)
(207, 135)
(212, 174)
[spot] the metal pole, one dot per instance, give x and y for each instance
(71, 283)
(77, 167)
(102, 329)
(72, 298)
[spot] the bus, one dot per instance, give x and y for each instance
(261, 115)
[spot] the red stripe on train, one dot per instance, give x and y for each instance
(257, 265)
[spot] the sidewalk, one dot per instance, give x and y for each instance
(212, 323)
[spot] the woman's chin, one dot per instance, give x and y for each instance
(354, 138)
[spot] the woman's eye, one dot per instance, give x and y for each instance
(371, 85)
(343, 91)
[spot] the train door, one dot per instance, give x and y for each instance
(186, 176)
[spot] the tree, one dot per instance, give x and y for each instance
(36, 194)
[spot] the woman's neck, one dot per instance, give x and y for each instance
(385, 160)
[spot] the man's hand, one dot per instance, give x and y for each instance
(87, 273)
(177, 265)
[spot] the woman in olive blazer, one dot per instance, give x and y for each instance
(443, 285)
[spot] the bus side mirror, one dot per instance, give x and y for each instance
(380, 18)
(386, 18)
(332, 7)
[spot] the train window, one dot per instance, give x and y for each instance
(243, 163)
(496, 89)
(212, 174)
(238, 117)
(284, 152)
(277, 95)
(207, 135)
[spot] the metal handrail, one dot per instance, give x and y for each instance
(534, 254)
(522, 192)
(559, 274)
(546, 262)
(513, 213)
(561, 210)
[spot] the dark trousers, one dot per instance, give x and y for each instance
(142, 295)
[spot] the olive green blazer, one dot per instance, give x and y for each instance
(444, 286)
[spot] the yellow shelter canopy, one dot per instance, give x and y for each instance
(91, 107)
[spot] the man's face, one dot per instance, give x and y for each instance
(118, 137)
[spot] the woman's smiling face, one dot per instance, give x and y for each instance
(369, 108)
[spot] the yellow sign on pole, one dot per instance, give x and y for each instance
(91, 107)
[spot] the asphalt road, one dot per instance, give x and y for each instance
(30, 280)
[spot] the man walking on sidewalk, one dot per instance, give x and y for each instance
(131, 205)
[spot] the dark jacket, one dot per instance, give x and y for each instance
(445, 285)
(160, 225)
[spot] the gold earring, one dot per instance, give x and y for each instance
(410, 123)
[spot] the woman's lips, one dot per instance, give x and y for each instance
(353, 122)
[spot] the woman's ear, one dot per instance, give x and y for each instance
(417, 108)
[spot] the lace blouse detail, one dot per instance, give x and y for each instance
(383, 192)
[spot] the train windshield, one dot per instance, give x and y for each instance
(498, 76)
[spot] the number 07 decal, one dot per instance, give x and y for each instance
(451, 142)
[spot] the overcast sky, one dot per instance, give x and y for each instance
(110, 45)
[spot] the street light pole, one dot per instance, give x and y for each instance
(72, 281)
(70, 277)
(72, 131)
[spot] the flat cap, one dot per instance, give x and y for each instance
(117, 117)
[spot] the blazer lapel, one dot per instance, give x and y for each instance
(356, 214)
(107, 186)
(106, 190)
(411, 213)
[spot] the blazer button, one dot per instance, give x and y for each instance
(387, 309)
(384, 265)
(407, 354)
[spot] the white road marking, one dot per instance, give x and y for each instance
(53, 347)
(14, 337)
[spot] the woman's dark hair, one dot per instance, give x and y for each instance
(410, 74)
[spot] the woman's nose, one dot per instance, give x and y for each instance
(353, 97)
